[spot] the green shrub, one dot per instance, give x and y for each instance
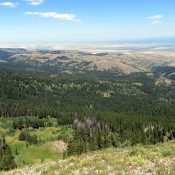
(167, 152)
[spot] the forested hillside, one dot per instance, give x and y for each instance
(25, 93)
(60, 114)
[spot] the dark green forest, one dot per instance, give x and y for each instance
(102, 108)
(39, 94)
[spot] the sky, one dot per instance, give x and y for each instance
(75, 21)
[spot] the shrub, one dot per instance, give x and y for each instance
(167, 152)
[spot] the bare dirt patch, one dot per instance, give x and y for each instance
(58, 146)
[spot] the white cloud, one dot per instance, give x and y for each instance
(59, 16)
(35, 2)
(8, 4)
(157, 19)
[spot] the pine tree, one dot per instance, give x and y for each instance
(6, 159)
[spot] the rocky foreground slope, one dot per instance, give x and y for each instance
(147, 160)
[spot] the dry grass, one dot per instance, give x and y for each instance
(126, 61)
(148, 160)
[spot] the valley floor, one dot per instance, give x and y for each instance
(138, 160)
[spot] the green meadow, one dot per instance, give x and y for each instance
(45, 151)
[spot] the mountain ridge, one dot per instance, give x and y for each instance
(72, 61)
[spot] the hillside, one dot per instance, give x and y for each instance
(56, 104)
(147, 160)
(87, 87)
(74, 61)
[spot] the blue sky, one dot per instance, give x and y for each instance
(55, 21)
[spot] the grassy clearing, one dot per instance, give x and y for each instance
(31, 154)
(38, 154)
(26, 154)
